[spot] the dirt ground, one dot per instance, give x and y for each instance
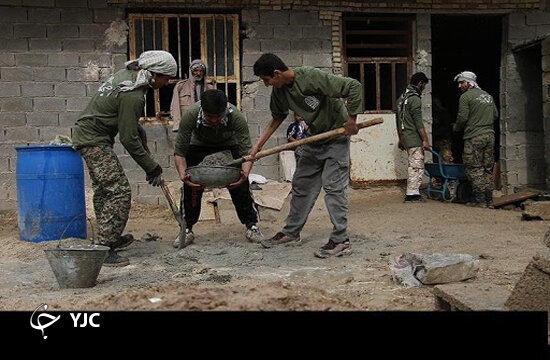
(222, 271)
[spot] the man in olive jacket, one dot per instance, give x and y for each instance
(477, 113)
(115, 109)
(317, 96)
(412, 135)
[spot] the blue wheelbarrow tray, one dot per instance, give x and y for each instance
(449, 175)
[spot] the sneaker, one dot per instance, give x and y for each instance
(280, 238)
(114, 259)
(413, 198)
(189, 238)
(334, 249)
(253, 234)
(123, 241)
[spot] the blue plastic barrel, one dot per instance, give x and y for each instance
(50, 193)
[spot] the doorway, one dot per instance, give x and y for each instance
(460, 43)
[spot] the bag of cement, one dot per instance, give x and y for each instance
(413, 270)
(61, 140)
(446, 268)
(403, 268)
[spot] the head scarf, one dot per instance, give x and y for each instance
(197, 64)
(467, 76)
(153, 61)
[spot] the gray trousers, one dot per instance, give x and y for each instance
(326, 165)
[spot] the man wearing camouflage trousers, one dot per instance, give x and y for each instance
(116, 108)
(477, 113)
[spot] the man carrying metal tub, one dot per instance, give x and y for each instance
(116, 108)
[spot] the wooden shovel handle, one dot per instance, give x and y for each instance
(307, 140)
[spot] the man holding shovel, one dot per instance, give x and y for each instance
(210, 126)
(116, 108)
(317, 97)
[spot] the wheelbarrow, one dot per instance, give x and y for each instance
(447, 182)
(215, 176)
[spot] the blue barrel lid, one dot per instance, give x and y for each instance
(42, 147)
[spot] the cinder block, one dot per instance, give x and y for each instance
(304, 18)
(250, 15)
(306, 45)
(317, 32)
(92, 30)
(24, 134)
(76, 16)
(274, 45)
(37, 89)
(274, 17)
(88, 74)
(7, 59)
(49, 104)
(45, 16)
(108, 15)
(77, 103)
(98, 59)
(15, 104)
(14, 14)
(48, 74)
(79, 45)
(29, 30)
(12, 119)
(9, 90)
(6, 31)
(150, 200)
(48, 134)
(42, 45)
(43, 118)
(16, 74)
(14, 45)
(68, 118)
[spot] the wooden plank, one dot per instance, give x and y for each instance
(513, 198)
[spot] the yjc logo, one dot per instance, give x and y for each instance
(79, 320)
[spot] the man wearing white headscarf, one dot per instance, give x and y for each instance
(188, 91)
(115, 109)
(477, 113)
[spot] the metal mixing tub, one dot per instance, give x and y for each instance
(214, 176)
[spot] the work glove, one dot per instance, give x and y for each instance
(154, 177)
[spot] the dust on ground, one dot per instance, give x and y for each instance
(222, 271)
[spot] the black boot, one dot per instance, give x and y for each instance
(478, 200)
(114, 259)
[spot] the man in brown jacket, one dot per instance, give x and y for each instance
(188, 91)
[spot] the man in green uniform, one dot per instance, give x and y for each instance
(210, 126)
(116, 108)
(412, 135)
(477, 113)
(317, 96)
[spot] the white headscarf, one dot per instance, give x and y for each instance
(153, 61)
(467, 76)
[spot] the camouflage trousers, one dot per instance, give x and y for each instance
(415, 170)
(112, 192)
(478, 161)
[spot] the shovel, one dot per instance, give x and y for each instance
(292, 145)
(175, 211)
(213, 176)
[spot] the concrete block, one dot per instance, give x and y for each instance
(150, 200)
(532, 291)
(250, 15)
(79, 45)
(92, 30)
(15, 14)
(318, 60)
(317, 32)
(288, 32)
(37, 89)
(16, 74)
(70, 89)
(470, 297)
(96, 59)
(537, 18)
(37, 3)
(89, 74)
(108, 15)
(21, 134)
(12, 119)
(9, 90)
(260, 32)
(43, 118)
(306, 45)
(251, 45)
(304, 18)
(15, 104)
(49, 74)
(76, 16)
(208, 208)
(59, 31)
(45, 16)
(49, 104)
(269, 214)
(274, 45)
(275, 18)
(6, 31)
(68, 118)
(42, 45)
(29, 31)
(7, 59)
(63, 59)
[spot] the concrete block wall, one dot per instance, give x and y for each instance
(53, 55)
(522, 150)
